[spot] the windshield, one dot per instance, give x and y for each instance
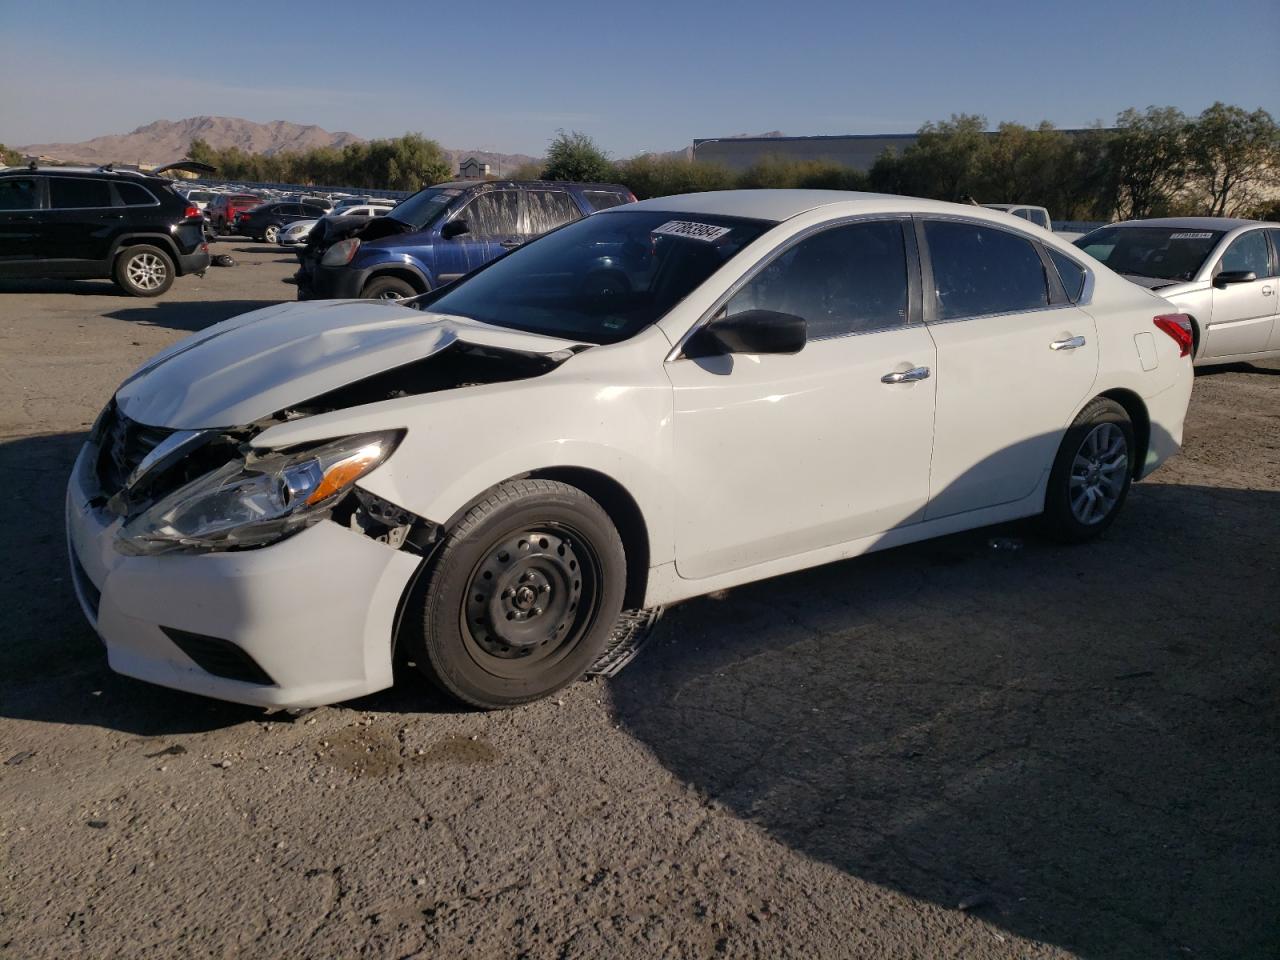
(1163, 253)
(602, 279)
(424, 206)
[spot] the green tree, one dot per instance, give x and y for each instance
(9, 157)
(575, 156)
(650, 175)
(528, 171)
(1231, 155)
(1148, 161)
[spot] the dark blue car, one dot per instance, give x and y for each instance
(440, 234)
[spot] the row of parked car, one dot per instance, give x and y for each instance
(144, 230)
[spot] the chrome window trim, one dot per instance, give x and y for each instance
(1086, 294)
(677, 351)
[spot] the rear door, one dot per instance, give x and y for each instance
(82, 219)
(22, 236)
(1243, 314)
(1016, 359)
(546, 209)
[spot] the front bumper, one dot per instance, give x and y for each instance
(331, 283)
(316, 612)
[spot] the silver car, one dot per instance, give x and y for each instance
(1223, 272)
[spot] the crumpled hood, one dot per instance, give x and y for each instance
(249, 367)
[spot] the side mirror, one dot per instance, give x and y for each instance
(1228, 277)
(753, 331)
(454, 228)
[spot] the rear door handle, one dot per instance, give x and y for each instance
(906, 376)
(511, 244)
(1071, 343)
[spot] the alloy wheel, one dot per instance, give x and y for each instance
(1098, 473)
(146, 271)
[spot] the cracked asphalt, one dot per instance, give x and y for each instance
(986, 746)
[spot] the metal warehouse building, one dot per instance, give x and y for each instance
(853, 150)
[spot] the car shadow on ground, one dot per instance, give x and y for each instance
(1077, 744)
(188, 315)
(1242, 367)
(80, 288)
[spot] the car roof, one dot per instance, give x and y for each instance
(1012, 206)
(781, 205)
(562, 184)
(1201, 223)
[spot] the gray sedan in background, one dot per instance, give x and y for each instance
(1223, 272)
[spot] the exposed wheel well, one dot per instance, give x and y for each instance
(408, 276)
(1141, 419)
(626, 516)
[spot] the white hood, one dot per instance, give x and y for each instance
(254, 365)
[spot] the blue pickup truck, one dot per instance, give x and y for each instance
(440, 234)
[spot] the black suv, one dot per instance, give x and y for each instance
(86, 224)
(264, 221)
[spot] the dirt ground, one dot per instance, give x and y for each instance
(953, 749)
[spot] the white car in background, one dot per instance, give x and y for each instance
(295, 235)
(1224, 273)
(668, 398)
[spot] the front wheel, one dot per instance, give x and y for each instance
(271, 234)
(1092, 473)
(388, 288)
(522, 596)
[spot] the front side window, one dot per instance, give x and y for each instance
(601, 279)
(493, 214)
(19, 193)
(1248, 253)
(980, 270)
(548, 209)
(74, 193)
(847, 279)
(1162, 253)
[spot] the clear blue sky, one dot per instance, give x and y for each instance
(635, 76)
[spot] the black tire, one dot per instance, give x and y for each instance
(143, 271)
(387, 288)
(1088, 485)
(521, 596)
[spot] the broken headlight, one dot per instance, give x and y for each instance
(257, 500)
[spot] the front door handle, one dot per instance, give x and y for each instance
(906, 376)
(1071, 343)
(1266, 291)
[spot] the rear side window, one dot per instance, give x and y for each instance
(73, 193)
(1275, 242)
(849, 279)
(980, 270)
(1247, 253)
(1072, 274)
(548, 209)
(1039, 218)
(604, 199)
(133, 195)
(19, 193)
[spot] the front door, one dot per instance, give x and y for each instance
(1242, 314)
(21, 224)
(780, 455)
(493, 228)
(1015, 361)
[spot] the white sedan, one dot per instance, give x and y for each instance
(296, 234)
(657, 401)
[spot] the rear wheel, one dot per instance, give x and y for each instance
(522, 596)
(1092, 473)
(144, 271)
(388, 288)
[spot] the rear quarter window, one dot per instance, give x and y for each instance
(1071, 273)
(133, 195)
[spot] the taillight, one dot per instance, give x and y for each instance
(1178, 326)
(191, 212)
(632, 196)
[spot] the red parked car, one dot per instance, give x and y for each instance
(224, 209)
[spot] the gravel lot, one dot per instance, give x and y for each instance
(1078, 745)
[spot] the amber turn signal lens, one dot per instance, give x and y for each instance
(346, 472)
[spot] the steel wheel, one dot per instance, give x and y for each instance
(271, 234)
(529, 600)
(1098, 473)
(146, 271)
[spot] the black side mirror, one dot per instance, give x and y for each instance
(753, 331)
(1228, 277)
(454, 228)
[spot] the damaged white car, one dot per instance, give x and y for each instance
(654, 402)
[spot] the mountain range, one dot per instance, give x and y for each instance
(167, 140)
